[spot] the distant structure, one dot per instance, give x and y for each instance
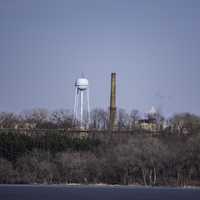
(81, 92)
(113, 101)
(152, 111)
(151, 122)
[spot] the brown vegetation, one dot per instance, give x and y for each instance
(133, 157)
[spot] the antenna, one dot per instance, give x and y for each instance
(82, 75)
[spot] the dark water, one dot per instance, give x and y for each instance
(23, 192)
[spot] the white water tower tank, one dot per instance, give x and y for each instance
(82, 83)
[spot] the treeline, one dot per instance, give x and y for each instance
(123, 159)
(15, 144)
(183, 123)
(134, 157)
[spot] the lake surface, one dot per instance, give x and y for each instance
(38, 192)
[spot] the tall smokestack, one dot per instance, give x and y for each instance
(113, 101)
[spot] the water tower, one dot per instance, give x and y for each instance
(81, 93)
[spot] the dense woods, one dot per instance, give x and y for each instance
(52, 155)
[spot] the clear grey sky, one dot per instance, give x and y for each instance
(152, 45)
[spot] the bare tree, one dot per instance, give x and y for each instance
(185, 123)
(99, 119)
(7, 173)
(134, 117)
(9, 120)
(62, 118)
(141, 160)
(36, 118)
(123, 119)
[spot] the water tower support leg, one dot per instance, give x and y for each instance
(75, 105)
(81, 109)
(88, 104)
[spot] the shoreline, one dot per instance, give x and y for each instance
(77, 185)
